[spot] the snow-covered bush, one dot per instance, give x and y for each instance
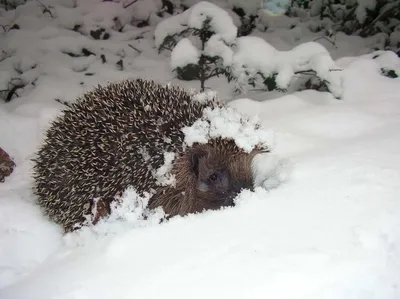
(248, 14)
(255, 62)
(387, 61)
(360, 17)
(46, 40)
(10, 4)
(205, 43)
(196, 27)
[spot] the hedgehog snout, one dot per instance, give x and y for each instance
(229, 201)
(238, 186)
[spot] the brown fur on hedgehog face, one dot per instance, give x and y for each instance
(208, 177)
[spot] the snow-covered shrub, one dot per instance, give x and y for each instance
(244, 60)
(361, 17)
(248, 14)
(205, 43)
(388, 62)
(47, 40)
(188, 36)
(255, 62)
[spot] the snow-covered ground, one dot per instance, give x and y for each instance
(331, 228)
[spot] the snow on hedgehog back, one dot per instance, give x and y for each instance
(190, 152)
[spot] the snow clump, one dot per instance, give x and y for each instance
(184, 53)
(128, 212)
(227, 122)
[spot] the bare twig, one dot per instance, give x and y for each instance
(13, 85)
(45, 8)
(6, 55)
(136, 49)
(170, 79)
(258, 89)
(128, 3)
(141, 34)
(312, 72)
(63, 102)
(10, 92)
(324, 37)
(13, 91)
(5, 27)
(214, 72)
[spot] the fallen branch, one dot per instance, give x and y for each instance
(312, 72)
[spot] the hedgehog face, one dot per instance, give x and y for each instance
(218, 180)
(208, 177)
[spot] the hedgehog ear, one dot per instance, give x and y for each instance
(194, 160)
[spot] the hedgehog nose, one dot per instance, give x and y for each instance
(239, 186)
(229, 201)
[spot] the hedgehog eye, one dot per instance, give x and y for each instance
(213, 177)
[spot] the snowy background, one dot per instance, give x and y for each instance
(325, 225)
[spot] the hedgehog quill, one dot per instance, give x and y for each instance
(117, 136)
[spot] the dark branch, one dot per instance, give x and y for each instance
(324, 37)
(135, 48)
(5, 27)
(12, 91)
(128, 3)
(45, 8)
(63, 102)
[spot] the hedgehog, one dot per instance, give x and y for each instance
(7, 165)
(116, 136)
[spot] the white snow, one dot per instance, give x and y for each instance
(162, 174)
(395, 38)
(254, 53)
(143, 9)
(103, 14)
(170, 26)
(128, 213)
(324, 221)
(215, 46)
(184, 53)
(205, 96)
